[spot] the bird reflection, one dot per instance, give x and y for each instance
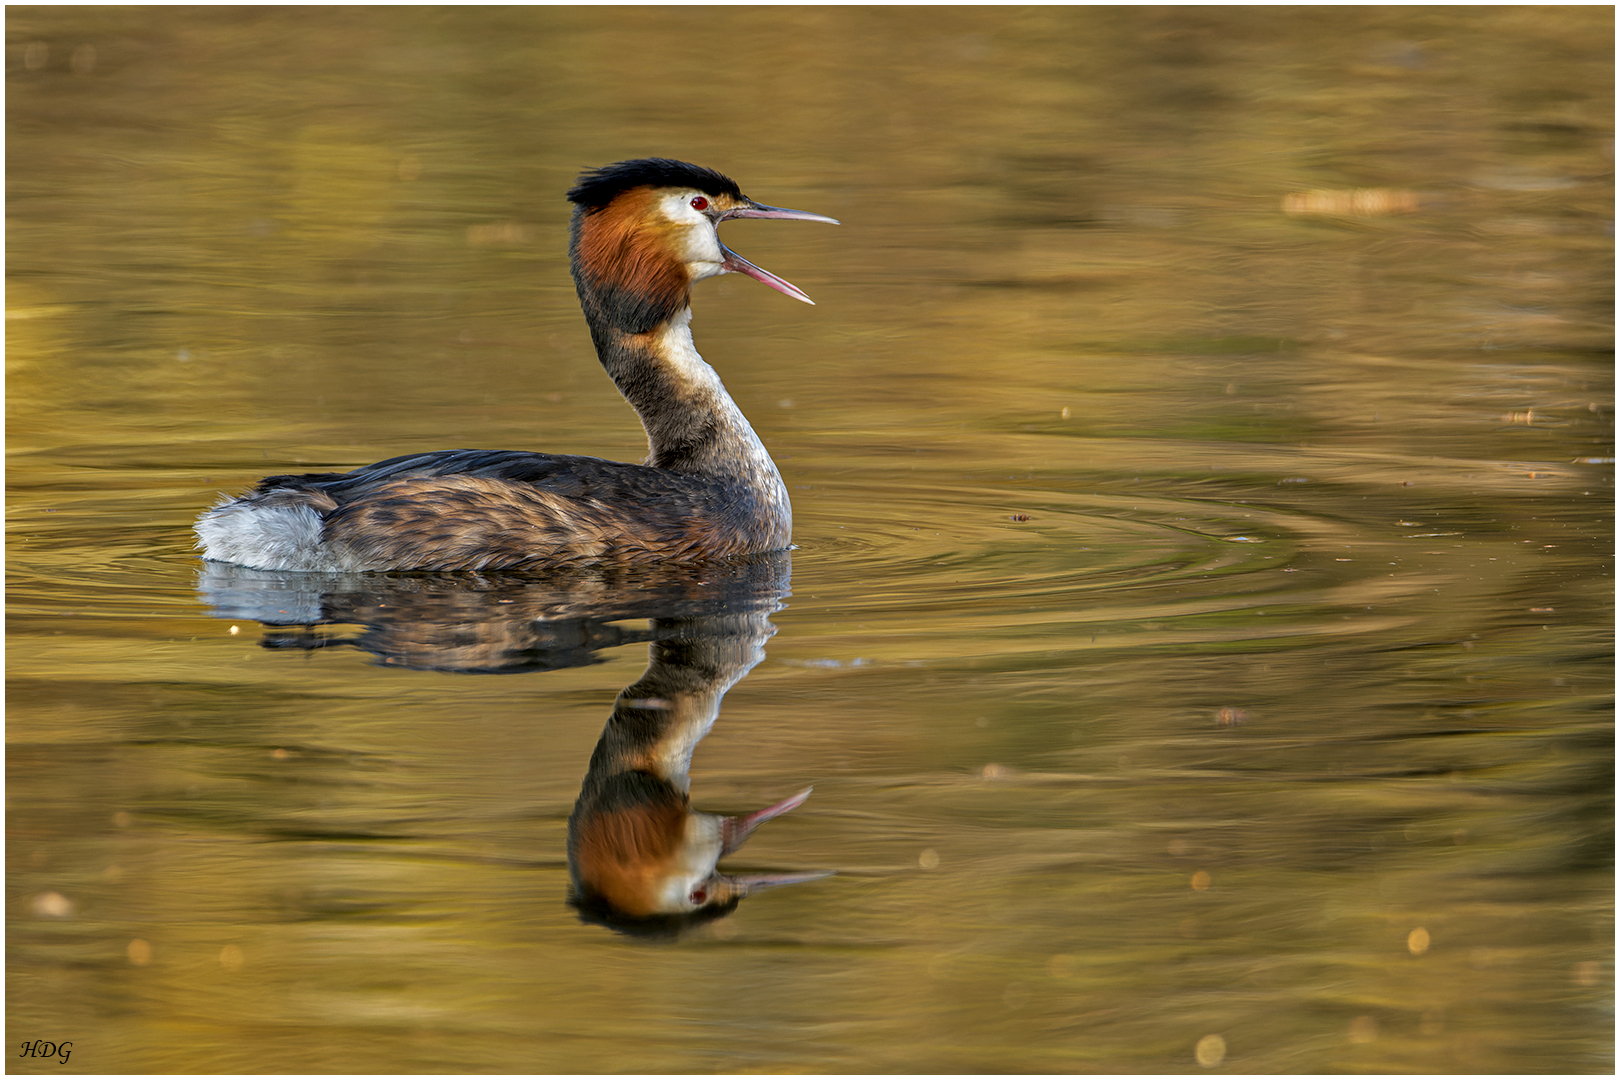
(477, 623)
(637, 851)
(641, 859)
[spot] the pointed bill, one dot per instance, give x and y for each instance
(748, 884)
(754, 209)
(734, 830)
(734, 263)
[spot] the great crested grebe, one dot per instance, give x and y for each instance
(642, 232)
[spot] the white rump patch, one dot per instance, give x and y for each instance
(275, 537)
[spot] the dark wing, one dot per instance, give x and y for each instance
(518, 466)
(490, 509)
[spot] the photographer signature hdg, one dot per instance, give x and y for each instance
(42, 1048)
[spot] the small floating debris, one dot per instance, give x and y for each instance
(1243, 539)
(1295, 480)
(1356, 202)
(1230, 717)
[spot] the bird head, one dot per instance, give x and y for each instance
(644, 231)
(654, 857)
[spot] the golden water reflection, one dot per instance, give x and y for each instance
(1202, 464)
(641, 859)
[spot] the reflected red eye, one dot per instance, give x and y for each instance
(699, 203)
(699, 895)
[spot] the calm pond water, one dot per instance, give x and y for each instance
(1199, 638)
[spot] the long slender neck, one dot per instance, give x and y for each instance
(640, 323)
(692, 424)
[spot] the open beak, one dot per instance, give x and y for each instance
(734, 263)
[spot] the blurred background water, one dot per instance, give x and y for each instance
(1200, 633)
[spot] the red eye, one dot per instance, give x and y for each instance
(698, 895)
(699, 203)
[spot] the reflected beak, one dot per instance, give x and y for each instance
(741, 885)
(734, 830)
(734, 263)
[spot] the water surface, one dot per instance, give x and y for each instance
(1199, 637)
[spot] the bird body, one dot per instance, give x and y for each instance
(643, 232)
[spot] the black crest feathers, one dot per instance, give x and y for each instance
(598, 187)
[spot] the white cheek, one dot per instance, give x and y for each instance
(701, 250)
(698, 245)
(676, 895)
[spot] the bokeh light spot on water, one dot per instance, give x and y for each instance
(230, 958)
(1363, 1029)
(1210, 1051)
(1060, 965)
(929, 859)
(140, 953)
(1417, 942)
(53, 905)
(1201, 881)
(1585, 973)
